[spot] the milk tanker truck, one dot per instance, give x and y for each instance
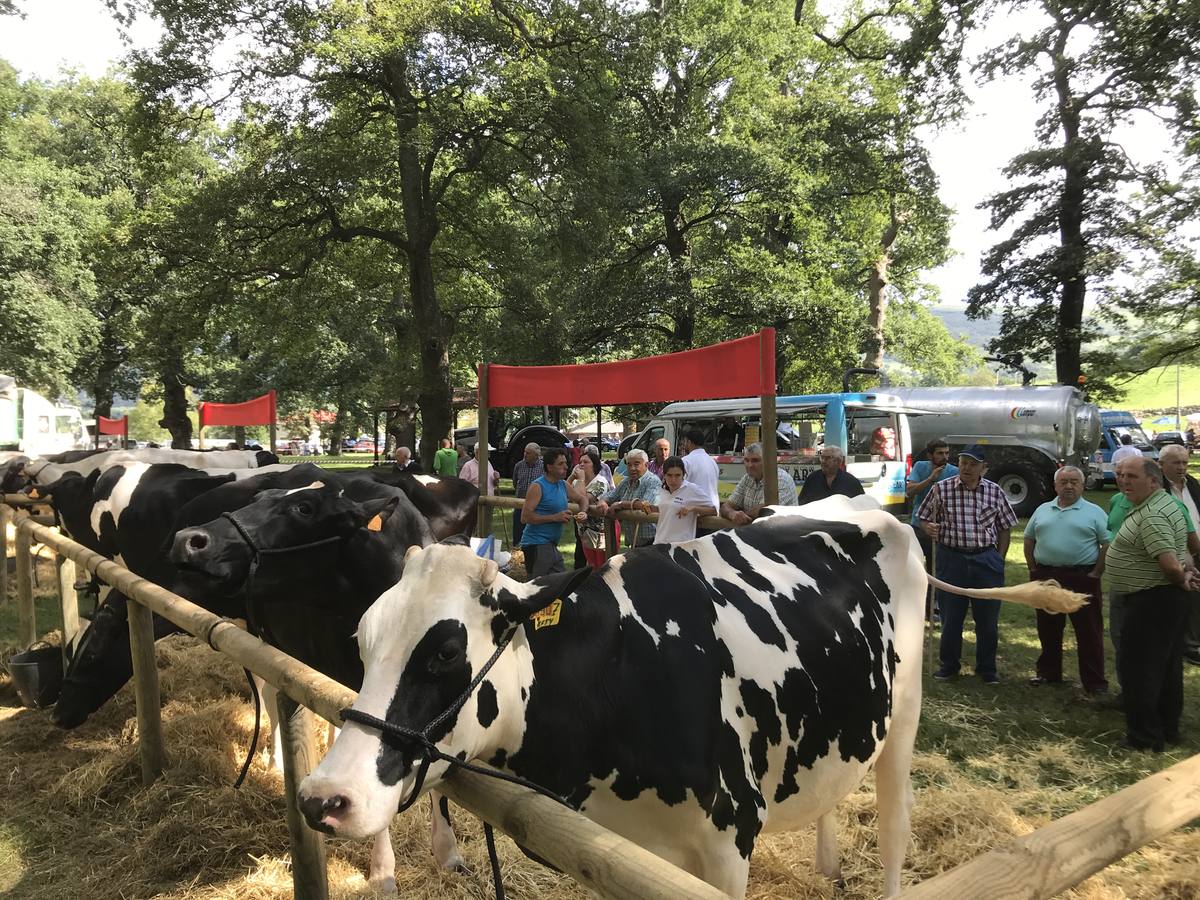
(1029, 432)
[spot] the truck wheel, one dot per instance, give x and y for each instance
(1023, 485)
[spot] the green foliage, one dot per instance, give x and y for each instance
(1072, 221)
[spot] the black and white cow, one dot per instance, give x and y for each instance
(686, 696)
(42, 470)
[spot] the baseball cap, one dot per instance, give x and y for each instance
(975, 451)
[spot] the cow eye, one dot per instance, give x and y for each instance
(446, 654)
(304, 508)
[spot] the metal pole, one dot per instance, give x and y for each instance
(145, 691)
(309, 879)
(481, 455)
(770, 446)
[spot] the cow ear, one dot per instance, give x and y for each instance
(539, 593)
(377, 512)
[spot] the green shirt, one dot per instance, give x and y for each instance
(445, 462)
(1118, 509)
(1155, 526)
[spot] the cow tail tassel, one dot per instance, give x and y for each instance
(1046, 595)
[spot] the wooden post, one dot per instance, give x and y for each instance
(26, 618)
(481, 455)
(271, 428)
(68, 599)
(611, 546)
(309, 880)
(770, 451)
(200, 436)
(145, 691)
(5, 518)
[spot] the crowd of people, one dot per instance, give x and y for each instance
(1146, 541)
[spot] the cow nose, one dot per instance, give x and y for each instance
(190, 543)
(315, 809)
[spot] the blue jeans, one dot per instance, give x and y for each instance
(984, 569)
(518, 527)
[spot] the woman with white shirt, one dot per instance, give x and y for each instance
(680, 504)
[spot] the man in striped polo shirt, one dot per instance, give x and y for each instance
(1148, 563)
(970, 521)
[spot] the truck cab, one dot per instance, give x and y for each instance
(1115, 424)
(872, 429)
(32, 424)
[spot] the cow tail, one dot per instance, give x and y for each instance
(1045, 595)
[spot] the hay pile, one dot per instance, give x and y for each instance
(77, 822)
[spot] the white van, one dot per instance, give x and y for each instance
(872, 429)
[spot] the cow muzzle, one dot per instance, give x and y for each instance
(325, 813)
(192, 546)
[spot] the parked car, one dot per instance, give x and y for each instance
(367, 446)
(1168, 437)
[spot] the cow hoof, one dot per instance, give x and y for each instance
(839, 883)
(457, 865)
(386, 885)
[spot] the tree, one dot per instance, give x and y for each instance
(1099, 63)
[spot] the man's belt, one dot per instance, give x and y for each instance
(970, 551)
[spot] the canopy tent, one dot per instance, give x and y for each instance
(737, 368)
(259, 411)
(587, 429)
(105, 425)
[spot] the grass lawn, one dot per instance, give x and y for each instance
(1156, 389)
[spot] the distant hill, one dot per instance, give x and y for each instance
(976, 331)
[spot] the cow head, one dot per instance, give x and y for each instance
(278, 521)
(71, 497)
(422, 643)
(12, 475)
(101, 664)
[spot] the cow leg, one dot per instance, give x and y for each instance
(382, 872)
(894, 797)
(267, 693)
(441, 835)
(828, 863)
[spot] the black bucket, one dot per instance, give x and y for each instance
(37, 674)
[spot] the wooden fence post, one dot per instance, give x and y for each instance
(5, 518)
(309, 881)
(69, 600)
(145, 691)
(26, 618)
(611, 543)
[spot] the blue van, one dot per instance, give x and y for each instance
(1113, 424)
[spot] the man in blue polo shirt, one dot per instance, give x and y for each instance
(1067, 539)
(924, 475)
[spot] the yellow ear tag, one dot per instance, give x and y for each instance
(33, 494)
(376, 523)
(544, 618)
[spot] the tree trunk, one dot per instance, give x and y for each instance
(877, 299)
(175, 418)
(1073, 254)
(433, 328)
(681, 296)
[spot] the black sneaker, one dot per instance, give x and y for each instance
(990, 678)
(944, 674)
(1192, 656)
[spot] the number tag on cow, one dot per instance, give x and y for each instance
(548, 616)
(376, 523)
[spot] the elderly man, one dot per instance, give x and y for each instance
(639, 484)
(527, 470)
(659, 453)
(470, 472)
(970, 521)
(831, 479)
(405, 462)
(748, 497)
(1186, 489)
(1066, 539)
(1148, 563)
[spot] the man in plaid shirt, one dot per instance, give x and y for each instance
(970, 521)
(527, 470)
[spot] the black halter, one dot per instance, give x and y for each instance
(257, 551)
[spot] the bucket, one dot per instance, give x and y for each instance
(37, 674)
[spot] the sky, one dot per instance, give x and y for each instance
(968, 158)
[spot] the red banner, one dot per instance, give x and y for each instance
(259, 411)
(740, 368)
(119, 426)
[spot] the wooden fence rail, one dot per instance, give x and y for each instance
(600, 859)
